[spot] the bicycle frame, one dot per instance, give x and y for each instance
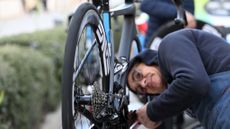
(128, 34)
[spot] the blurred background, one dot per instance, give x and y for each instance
(32, 40)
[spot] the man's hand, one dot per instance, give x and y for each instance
(144, 119)
(191, 20)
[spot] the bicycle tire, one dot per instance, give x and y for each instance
(81, 70)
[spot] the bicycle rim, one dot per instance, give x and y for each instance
(85, 67)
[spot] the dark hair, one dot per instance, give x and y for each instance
(148, 57)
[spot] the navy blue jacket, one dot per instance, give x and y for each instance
(161, 12)
(186, 59)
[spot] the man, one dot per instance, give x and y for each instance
(191, 70)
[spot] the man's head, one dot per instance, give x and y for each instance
(144, 76)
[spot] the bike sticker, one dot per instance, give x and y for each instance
(104, 48)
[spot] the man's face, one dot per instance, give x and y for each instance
(145, 79)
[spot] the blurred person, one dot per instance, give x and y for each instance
(190, 71)
(44, 4)
(162, 11)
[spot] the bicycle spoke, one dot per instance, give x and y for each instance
(83, 60)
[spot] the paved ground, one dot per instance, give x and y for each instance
(52, 120)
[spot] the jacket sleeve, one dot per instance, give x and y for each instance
(164, 9)
(179, 60)
(189, 6)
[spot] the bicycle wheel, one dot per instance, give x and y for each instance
(86, 66)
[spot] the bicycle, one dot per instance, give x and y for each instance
(94, 92)
(89, 71)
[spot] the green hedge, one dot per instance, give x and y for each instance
(30, 71)
(8, 84)
(49, 42)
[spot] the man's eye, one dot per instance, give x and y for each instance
(138, 76)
